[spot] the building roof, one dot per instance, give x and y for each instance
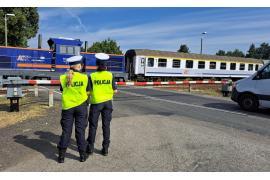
(169, 54)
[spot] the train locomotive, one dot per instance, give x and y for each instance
(31, 63)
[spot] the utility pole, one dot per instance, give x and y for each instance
(6, 27)
(202, 41)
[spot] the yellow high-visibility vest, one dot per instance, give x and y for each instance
(75, 94)
(102, 90)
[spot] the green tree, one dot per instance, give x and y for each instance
(251, 52)
(235, 53)
(106, 46)
(183, 48)
(229, 53)
(263, 52)
(221, 53)
(21, 27)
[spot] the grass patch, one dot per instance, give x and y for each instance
(209, 92)
(30, 108)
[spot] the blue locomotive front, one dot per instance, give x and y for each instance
(31, 63)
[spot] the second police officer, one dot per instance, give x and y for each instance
(74, 87)
(102, 90)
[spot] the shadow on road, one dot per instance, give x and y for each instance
(45, 144)
(49, 136)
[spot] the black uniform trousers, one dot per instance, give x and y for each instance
(79, 114)
(105, 109)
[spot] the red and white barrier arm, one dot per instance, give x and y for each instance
(167, 83)
(43, 82)
(57, 82)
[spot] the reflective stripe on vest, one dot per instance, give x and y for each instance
(75, 94)
(102, 87)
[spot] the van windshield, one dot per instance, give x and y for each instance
(265, 73)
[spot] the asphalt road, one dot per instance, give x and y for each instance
(152, 130)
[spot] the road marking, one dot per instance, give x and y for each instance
(170, 101)
(181, 103)
(184, 93)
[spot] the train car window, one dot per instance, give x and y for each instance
(176, 63)
(162, 62)
(201, 65)
(63, 50)
(242, 67)
(212, 65)
(150, 62)
(70, 50)
(223, 65)
(256, 67)
(250, 67)
(233, 66)
(77, 50)
(189, 64)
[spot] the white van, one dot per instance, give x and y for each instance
(253, 92)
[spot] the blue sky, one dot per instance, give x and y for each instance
(159, 28)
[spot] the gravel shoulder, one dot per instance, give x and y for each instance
(30, 108)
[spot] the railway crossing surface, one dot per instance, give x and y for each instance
(152, 130)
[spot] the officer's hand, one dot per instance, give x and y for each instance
(115, 91)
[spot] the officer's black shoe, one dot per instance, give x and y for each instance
(83, 156)
(61, 160)
(62, 153)
(104, 152)
(89, 149)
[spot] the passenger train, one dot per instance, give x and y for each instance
(153, 64)
(136, 64)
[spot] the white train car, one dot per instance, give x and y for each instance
(152, 64)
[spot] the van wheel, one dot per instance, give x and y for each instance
(249, 102)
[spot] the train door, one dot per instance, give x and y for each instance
(144, 64)
(135, 65)
(129, 63)
(84, 64)
(140, 65)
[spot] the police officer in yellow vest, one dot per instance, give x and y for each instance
(75, 89)
(102, 90)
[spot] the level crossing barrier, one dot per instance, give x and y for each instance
(57, 82)
(18, 83)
